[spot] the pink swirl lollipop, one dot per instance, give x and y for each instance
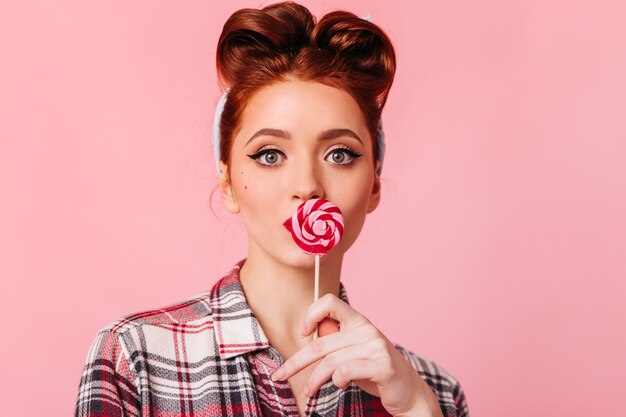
(316, 226)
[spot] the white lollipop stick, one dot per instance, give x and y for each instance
(317, 287)
(310, 227)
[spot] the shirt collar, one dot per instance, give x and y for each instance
(236, 329)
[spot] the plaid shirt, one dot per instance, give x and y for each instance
(208, 356)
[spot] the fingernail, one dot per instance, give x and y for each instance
(306, 392)
(280, 372)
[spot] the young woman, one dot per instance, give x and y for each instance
(300, 119)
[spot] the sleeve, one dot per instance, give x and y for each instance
(107, 386)
(460, 401)
(446, 387)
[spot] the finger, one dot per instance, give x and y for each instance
(329, 306)
(356, 370)
(316, 350)
(333, 361)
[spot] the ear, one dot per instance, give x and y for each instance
(226, 189)
(375, 196)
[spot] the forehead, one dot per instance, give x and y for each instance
(302, 106)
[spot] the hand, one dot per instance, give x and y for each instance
(358, 352)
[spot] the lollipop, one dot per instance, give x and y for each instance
(316, 227)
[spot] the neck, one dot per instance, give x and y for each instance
(279, 294)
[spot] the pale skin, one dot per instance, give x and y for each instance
(299, 140)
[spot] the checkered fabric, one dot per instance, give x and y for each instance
(208, 356)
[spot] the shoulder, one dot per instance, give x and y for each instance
(126, 353)
(184, 313)
(161, 331)
(445, 386)
(188, 310)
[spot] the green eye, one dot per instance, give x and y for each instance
(268, 157)
(339, 157)
(342, 156)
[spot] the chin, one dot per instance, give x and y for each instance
(288, 254)
(296, 258)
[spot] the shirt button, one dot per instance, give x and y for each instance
(315, 415)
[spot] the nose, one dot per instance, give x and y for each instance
(306, 182)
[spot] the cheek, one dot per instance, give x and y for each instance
(355, 195)
(253, 193)
(242, 180)
(354, 201)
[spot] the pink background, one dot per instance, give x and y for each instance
(499, 248)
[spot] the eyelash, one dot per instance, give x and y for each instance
(264, 151)
(344, 149)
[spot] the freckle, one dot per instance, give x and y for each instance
(246, 187)
(242, 172)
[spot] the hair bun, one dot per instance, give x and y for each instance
(252, 35)
(357, 43)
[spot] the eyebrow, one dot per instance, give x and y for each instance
(337, 133)
(325, 135)
(269, 132)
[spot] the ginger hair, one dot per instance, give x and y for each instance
(284, 41)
